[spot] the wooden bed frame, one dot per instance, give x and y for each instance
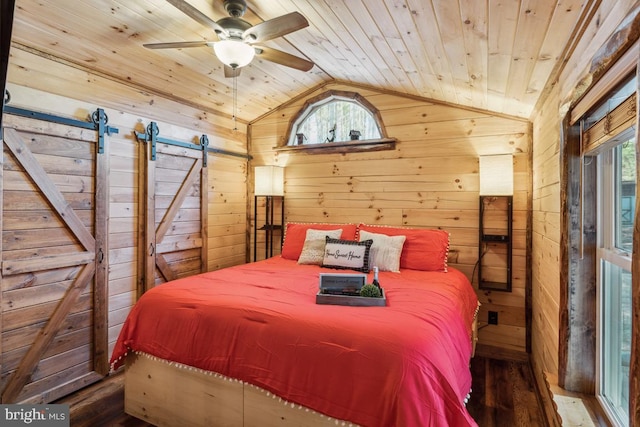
(168, 394)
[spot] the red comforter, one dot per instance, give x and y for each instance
(406, 364)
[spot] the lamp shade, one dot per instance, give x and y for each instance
(496, 175)
(269, 181)
(234, 53)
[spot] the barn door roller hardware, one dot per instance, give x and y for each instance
(151, 136)
(98, 122)
(204, 143)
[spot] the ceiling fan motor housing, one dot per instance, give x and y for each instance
(235, 8)
(235, 27)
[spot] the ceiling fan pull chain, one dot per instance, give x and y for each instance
(235, 102)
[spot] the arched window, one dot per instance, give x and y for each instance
(336, 119)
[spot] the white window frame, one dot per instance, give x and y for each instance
(291, 143)
(312, 109)
(607, 251)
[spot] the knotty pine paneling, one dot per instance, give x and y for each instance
(55, 78)
(227, 212)
(546, 236)
(430, 180)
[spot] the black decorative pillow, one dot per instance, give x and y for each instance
(347, 254)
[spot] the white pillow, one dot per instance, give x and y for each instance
(385, 251)
(314, 243)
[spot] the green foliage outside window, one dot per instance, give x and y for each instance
(334, 118)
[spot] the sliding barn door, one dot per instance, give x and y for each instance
(176, 212)
(54, 293)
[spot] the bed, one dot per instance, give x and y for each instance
(248, 345)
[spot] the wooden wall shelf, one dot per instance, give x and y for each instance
(351, 146)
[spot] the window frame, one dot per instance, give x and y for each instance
(579, 258)
(312, 104)
(608, 252)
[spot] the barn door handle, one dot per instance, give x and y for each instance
(151, 249)
(100, 256)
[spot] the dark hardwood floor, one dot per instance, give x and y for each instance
(503, 395)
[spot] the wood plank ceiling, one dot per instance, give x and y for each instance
(496, 55)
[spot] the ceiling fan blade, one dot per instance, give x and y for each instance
(231, 72)
(275, 27)
(198, 16)
(175, 45)
(283, 58)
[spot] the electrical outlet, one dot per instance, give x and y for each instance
(493, 318)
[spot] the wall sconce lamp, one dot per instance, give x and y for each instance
(496, 189)
(496, 175)
(268, 183)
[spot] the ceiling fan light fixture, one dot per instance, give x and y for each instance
(234, 53)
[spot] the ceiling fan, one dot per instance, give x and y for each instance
(235, 47)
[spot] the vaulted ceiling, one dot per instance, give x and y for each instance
(496, 55)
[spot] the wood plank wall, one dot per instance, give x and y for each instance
(43, 85)
(430, 180)
(546, 237)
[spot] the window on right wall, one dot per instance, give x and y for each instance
(617, 190)
(609, 146)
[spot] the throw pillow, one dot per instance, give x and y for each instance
(314, 244)
(347, 254)
(385, 250)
